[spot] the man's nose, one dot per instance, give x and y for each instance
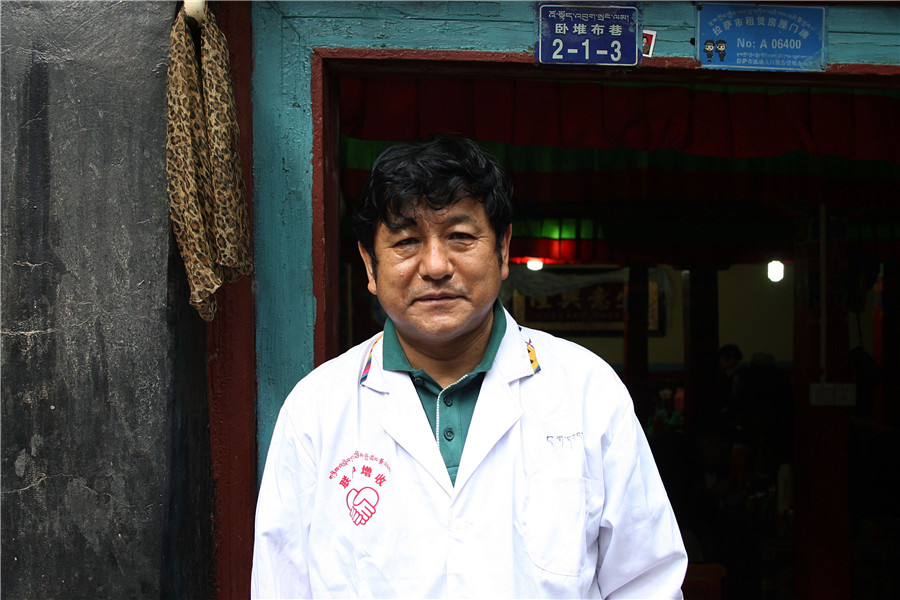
(436, 262)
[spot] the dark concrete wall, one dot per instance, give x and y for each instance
(106, 491)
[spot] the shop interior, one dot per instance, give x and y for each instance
(678, 227)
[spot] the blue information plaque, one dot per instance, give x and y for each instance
(588, 35)
(761, 37)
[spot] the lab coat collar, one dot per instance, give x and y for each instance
(403, 418)
(512, 360)
(498, 407)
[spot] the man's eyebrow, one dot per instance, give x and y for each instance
(398, 223)
(463, 217)
(405, 223)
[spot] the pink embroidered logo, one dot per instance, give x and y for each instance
(362, 504)
(363, 475)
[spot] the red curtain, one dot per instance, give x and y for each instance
(698, 120)
(607, 143)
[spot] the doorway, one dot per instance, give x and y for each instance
(680, 191)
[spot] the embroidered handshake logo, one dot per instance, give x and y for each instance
(362, 504)
(362, 474)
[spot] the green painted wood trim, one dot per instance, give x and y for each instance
(482, 26)
(360, 154)
(285, 305)
(856, 34)
(434, 12)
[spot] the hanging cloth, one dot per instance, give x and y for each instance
(203, 164)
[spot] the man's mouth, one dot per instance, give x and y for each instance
(437, 297)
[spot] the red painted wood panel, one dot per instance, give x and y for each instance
(231, 360)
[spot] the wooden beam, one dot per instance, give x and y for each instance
(821, 433)
(700, 291)
(231, 360)
(890, 336)
(635, 339)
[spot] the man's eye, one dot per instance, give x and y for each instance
(406, 242)
(461, 235)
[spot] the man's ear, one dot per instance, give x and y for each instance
(370, 268)
(504, 253)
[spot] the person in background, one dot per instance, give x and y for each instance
(457, 453)
(720, 413)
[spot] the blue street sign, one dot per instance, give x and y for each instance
(588, 35)
(761, 37)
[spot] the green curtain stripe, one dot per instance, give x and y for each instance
(559, 229)
(618, 230)
(360, 154)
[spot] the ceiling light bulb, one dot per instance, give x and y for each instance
(535, 264)
(776, 271)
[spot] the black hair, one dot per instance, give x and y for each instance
(438, 172)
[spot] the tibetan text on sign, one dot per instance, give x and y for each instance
(761, 38)
(588, 35)
(596, 309)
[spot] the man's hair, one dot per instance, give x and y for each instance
(436, 172)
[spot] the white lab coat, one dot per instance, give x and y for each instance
(557, 494)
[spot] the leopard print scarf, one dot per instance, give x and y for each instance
(204, 175)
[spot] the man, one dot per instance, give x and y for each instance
(458, 454)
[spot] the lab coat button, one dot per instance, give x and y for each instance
(448, 434)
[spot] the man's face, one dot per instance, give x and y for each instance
(437, 278)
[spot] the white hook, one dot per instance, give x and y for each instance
(195, 9)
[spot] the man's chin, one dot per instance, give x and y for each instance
(436, 329)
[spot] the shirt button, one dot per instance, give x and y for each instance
(448, 401)
(417, 380)
(448, 434)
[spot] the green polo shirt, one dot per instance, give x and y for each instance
(454, 405)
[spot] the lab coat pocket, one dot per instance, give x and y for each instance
(553, 524)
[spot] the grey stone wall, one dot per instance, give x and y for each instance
(106, 490)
